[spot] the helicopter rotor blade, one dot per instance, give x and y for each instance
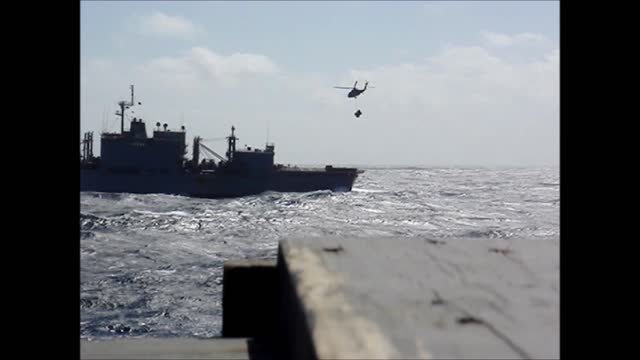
(343, 87)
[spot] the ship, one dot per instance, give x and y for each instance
(132, 162)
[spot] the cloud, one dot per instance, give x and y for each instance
(456, 75)
(235, 64)
(554, 56)
(161, 24)
(201, 64)
(464, 105)
(504, 40)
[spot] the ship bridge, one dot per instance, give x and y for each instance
(248, 160)
(133, 151)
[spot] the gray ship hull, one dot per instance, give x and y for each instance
(216, 185)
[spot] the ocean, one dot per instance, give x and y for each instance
(151, 265)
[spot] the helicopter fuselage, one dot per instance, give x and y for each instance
(354, 93)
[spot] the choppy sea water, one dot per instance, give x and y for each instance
(151, 265)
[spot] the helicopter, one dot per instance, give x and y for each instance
(354, 93)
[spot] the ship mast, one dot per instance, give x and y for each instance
(123, 106)
(232, 144)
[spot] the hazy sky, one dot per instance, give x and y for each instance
(456, 83)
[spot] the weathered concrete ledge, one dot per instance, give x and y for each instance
(420, 298)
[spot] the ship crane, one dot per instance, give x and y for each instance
(211, 152)
(197, 146)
